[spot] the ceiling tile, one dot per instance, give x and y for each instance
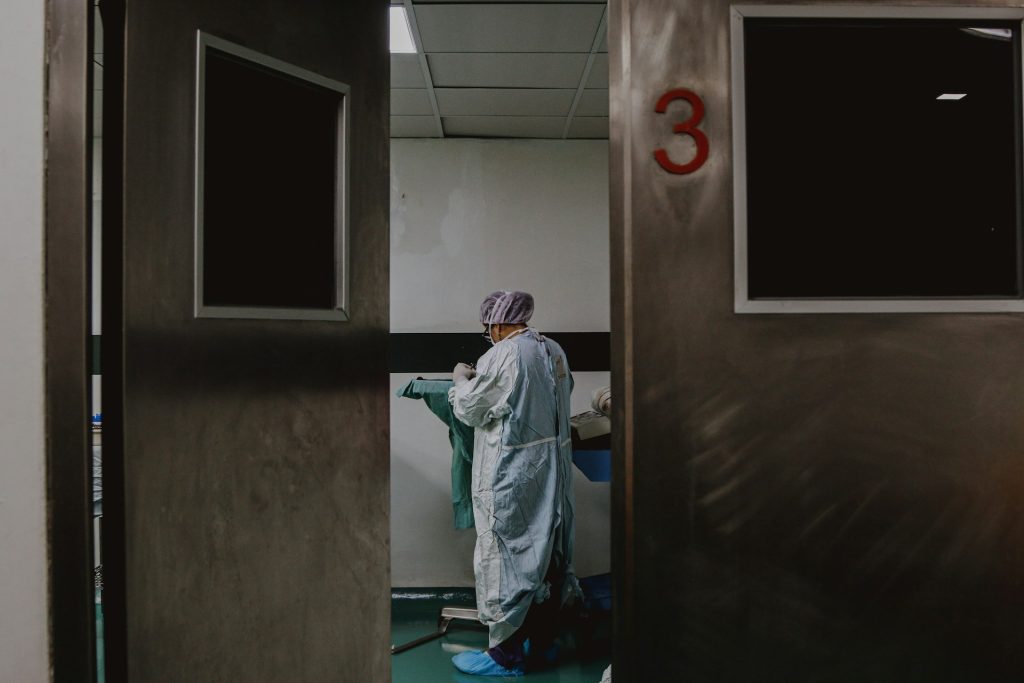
(97, 36)
(414, 127)
(589, 127)
(593, 103)
(506, 70)
(97, 117)
(508, 28)
(498, 102)
(410, 102)
(504, 126)
(599, 72)
(406, 72)
(604, 43)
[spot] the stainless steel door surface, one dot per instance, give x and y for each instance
(803, 497)
(255, 451)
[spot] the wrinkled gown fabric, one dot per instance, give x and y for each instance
(434, 393)
(518, 404)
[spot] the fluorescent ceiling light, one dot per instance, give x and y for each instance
(401, 36)
(952, 96)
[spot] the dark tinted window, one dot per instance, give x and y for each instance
(861, 183)
(271, 156)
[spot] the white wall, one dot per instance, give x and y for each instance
(469, 217)
(23, 566)
(472, 216)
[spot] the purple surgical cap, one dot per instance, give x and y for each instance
(506, 308)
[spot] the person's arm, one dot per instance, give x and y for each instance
(480, 400)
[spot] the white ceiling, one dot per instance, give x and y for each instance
(488, 68)
(494, 69)
(97, 77)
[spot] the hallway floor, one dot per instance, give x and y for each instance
(416, 615)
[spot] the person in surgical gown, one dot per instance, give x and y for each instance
(517, 401)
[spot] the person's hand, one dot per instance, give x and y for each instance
(463, 372)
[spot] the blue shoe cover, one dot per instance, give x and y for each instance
(481, 664)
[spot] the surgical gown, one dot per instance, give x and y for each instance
(518, 404)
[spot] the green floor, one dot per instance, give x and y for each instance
(583, 660)
(583, 657)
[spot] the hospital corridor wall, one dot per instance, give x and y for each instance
(24, 629)
(469, 216)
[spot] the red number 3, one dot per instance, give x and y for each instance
(688, 127)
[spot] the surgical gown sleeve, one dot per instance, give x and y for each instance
(479, 401)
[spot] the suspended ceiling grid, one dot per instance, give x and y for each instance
(498, 69)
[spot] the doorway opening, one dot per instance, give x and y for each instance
(499, 181)
(105, 408)
(96, 326)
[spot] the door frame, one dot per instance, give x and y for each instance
(68, 191)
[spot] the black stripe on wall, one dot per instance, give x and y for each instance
(95, 355)
(439, 352)
(434, 352)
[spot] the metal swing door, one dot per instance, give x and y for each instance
(251, 543)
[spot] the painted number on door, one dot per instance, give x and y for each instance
(687, 127)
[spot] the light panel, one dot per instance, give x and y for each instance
(401, 37)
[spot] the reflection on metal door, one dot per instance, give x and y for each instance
(255, 457)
